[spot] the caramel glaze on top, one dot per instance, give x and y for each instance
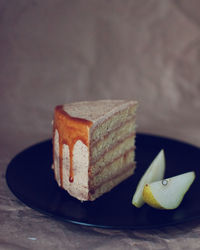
(70, 130)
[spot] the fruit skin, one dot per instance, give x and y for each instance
(169, 193)
(149, 198)
(155, 172)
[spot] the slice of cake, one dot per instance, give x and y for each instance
(93, 146)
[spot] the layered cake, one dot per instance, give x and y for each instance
(93, 146)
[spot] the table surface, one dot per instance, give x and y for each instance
(54, 52)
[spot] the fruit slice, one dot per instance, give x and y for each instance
(168, 193)
(155, 172)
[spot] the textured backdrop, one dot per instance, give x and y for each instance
(58, 51)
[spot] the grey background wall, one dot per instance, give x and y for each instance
(57, 51)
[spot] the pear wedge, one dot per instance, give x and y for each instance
(155, 172)
(168, 193)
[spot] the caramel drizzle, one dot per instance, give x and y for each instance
(70, 130)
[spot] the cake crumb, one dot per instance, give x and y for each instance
(32, 238)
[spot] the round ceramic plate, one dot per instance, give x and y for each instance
(31, 179)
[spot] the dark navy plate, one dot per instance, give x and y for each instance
(31, 179)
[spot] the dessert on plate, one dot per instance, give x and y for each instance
(93, 146)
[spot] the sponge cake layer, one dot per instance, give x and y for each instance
(93, 146)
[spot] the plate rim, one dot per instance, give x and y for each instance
(87, 224)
